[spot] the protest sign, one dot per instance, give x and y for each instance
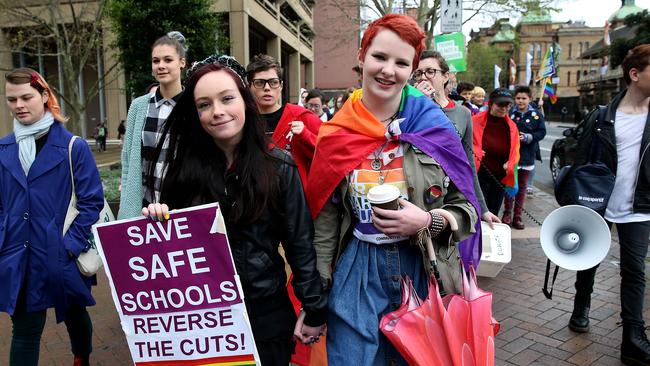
(176, 290)
(452, 48)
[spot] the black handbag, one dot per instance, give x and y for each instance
(589, 184)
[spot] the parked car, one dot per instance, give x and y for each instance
(563, 152)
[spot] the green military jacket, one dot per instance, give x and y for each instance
(333, 226)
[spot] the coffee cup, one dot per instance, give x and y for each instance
(384, 196)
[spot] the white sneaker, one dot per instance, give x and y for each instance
(529, 192)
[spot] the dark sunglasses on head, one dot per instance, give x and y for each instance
(274, 83)
(503, 104)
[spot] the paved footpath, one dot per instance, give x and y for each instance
(533, 329)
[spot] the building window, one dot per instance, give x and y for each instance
(538, 51)
(580, 49)
(568, 78)
(531, 50)
(586, 46)
(570, 50)
(578, 77)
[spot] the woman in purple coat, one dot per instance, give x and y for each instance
(38, 267)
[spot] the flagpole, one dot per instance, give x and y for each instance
(541, 95)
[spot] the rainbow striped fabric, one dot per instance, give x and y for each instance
(548, 90)
(354, 133)
(240, 360)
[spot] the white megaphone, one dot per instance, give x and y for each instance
(575, 237)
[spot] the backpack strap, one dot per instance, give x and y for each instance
(595, 151)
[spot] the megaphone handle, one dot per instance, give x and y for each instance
(547, 293)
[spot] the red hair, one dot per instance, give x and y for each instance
(404, 26)
(35, 80)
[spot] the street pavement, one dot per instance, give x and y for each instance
(533, 329)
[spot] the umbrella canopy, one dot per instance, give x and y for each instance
(455, 330)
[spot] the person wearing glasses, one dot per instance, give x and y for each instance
(431, 78)
(496, 150)
(293, 128)
(314, 102)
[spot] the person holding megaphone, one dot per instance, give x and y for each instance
(623, 133)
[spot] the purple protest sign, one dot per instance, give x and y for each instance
(175, 286)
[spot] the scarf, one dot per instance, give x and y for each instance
(26, 136)
(510, 181)
(354, 133)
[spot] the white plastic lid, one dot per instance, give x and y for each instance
(383, 193)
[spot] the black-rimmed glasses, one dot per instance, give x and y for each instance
(429, 73)
(274, 83)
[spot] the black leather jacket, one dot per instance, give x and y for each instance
(609, 156)
(255, 247)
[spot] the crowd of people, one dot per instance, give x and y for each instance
(299, 175)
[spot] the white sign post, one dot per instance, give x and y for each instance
(451, 16)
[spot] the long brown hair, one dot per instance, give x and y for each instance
(195, 173)
(25, 75)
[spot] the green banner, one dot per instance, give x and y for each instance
(452, 47)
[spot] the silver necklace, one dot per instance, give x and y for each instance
(376, 163)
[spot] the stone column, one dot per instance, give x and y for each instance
(6, 125)
(309, 75)
(293, 69)
(239, 32)
(274, 49)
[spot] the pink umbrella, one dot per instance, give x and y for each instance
(455, 330)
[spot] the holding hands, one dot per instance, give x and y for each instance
(306, 334)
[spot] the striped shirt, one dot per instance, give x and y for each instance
(159, 110)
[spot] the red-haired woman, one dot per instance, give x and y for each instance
(386, 133)
(38, 267)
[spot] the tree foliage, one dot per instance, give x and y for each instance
(620, 47)
(70, 31)
(138, 23)
(481, 59)
(427, 12)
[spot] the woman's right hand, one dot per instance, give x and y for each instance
(425, 87)
(156, 211)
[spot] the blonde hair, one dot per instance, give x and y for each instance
(478, 92)
(25, 75)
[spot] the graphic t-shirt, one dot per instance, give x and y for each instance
(363, 177)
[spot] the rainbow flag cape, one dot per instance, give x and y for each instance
(354, 133)
(511, 180)
(548, 90)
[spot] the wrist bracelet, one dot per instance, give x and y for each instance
(437, 223)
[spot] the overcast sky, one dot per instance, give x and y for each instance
(593, 12)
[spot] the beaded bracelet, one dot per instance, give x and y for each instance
(437, 224)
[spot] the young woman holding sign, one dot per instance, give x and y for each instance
(38, 267)
(222, 155)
